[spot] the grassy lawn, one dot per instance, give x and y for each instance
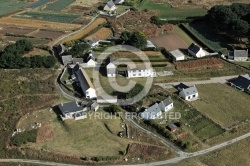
(49, 16)
(88, 137)
(8, 6)
(183, 35)
(206, 33)
(198, 124)
(245, 64)
(236, 154)
(167, 12)
(60, 5)
(121, 9)
(222, 103)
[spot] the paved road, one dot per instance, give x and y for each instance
(211, 80)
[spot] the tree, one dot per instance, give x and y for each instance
(238, 28)
(125, 36)
(221, 16)
(138, 39)
(79, 50)
(240, 9)
(135, 91)
(156, 20)
(49, 61)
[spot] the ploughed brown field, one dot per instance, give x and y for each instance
(170, 41)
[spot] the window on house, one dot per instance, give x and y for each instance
(194, 95)
(188, 97)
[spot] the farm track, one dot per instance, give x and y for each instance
(71, 34)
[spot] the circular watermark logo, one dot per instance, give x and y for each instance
(141, 69)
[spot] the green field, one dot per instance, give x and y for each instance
(222, 103)
(206, 34)
(232, 155)
(8, 6)
(48, 16)
(60, 5)
(200, 125)
(245, 64)
(183, 35)
(80, 137)
(169, 13)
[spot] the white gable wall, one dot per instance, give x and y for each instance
(90, 93)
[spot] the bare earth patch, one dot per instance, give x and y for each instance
(45, 133)
(170, 41)
(139, 21)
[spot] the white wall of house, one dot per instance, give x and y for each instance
(240, 58)
(90, 93)
(106, 8)
(188, 97)
(199, 54)
(91, 63)
(166, 108)
(141, 73)
(110, 66)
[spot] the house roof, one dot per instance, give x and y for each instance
(118, 1)
(150, 44)
(110, 4)
(111, 70)
(167, 101)
(172, 126)
(181, 86)
(246, 76)
(78, 60)
(70, 107)
(138, 67)
(194, 48)
(93, 41)
(240, 53)
(83, 78)
(94, 105)
(151, 111)
(190, 91)
(241, 82)
(67, 59)
(177, 53)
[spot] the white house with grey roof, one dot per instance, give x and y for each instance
(84, 82)
(111, 67)
(188, 93)
(166, 104)
(93, 42)
(110, 6)
(72, 110)
(152, 112)
(238, 55)
(140, 71)
(91, 60)
(196, 51)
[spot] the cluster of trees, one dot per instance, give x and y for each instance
(12, 57)
(138, 88)
(114, 109)
(160, 129)
(79, 49)
(24, 137)
(136, 39)
(234, 20)
(156, 20)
